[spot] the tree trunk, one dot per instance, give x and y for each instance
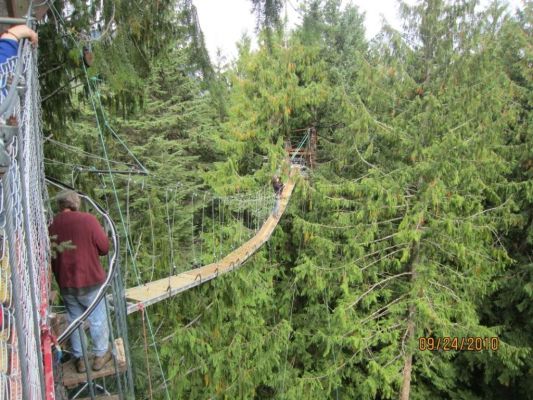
(408, 360)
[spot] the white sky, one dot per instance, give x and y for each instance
(224, 21)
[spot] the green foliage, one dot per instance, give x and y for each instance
(268, 16)
(403, 220)
(59, 247)
(416, 222)
(173, 136)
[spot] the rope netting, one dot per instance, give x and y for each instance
(231, 221)
(24, 237)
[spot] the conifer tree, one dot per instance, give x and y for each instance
(509, 307)
(416, 222)
(268, 15)
(397, 239)
(123, 36)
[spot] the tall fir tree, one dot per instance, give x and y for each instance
(416, 222)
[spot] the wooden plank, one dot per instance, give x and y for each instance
(121, 355)
(71, 377)
(161, 289)
(145, 292)
(205, 272)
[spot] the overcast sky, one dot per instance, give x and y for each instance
(224, 21)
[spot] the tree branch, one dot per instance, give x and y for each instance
(376, 285)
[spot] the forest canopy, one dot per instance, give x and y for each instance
(415, 222)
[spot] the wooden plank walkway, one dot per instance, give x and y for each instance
(156, 291)
(71, 377)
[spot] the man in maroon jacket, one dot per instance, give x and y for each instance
(79, 273)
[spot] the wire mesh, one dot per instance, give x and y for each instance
(24, 239)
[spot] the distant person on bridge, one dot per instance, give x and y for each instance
(80, 275)
(278, 188)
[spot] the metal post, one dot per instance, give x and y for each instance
(120, 314)
(86, 361)
(112, 336)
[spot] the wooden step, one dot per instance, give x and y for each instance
(71, 377)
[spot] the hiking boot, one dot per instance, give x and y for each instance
(100, 361)
(80, 365)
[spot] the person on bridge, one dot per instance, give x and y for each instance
(79, 273)
(278, 188)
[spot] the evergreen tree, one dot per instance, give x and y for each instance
(123, 35)
(268, 15)
(509, 308)
(416, 222)
(397, 241)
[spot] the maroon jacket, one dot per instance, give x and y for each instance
(79, 267)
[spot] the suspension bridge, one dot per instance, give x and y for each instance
(30, 333)
(153, 292)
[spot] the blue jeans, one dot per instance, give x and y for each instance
(98, 327)
(276, 206)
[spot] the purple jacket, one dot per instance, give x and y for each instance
(278, 187)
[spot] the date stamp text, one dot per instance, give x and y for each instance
(455, 343)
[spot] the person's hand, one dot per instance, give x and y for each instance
(19, 32)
